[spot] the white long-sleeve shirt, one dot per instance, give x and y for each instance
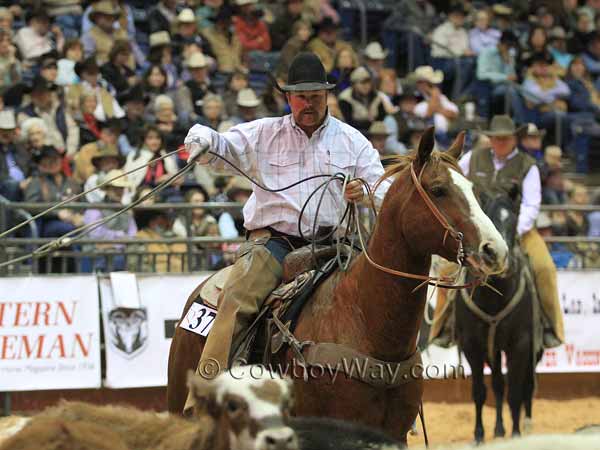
(531, 190)
(276, 153)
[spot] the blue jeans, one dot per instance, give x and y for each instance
(491, 95)
(458, 73)
(405, 46)
(279, 248)
(70, 25)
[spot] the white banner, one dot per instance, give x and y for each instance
(49, 333)
(579, 294)
(138, 339)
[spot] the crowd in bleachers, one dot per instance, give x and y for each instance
(94, 88)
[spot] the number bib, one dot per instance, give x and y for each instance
(199, 319)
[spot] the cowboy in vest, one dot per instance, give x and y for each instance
(278, 152)
(102, 36)
(501, 169)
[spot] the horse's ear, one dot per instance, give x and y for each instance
(456, 148)
(426, 146)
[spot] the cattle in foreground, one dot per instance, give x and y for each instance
(249, 413)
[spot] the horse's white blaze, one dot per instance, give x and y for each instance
(487, 231)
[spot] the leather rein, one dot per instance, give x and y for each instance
(443, 282)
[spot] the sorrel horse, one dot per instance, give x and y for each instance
(374, 312)
(513, 331)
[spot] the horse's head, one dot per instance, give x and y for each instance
(501, 211)
(438, 209)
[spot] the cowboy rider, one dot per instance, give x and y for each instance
(499, 169)
(279, 152)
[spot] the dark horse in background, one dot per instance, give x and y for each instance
(488, 324)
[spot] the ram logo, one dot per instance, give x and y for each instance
(128, 330)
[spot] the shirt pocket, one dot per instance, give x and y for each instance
(283, 165)
(335, 162)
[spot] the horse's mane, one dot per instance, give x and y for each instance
(398, 163)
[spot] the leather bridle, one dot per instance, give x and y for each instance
(443, 282)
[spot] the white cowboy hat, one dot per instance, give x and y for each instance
(378, 128)
(7, 120)
(427, 73)
(122, 182)
(247, 98)
(245, 2)
(186, 16)
(160, 38)
(359, 74)
(375, 51)
(196, 61)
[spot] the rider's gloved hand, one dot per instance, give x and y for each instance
(197, 142)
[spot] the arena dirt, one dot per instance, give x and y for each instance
(454, 423)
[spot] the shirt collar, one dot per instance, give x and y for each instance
(511, 155)
(321, 128)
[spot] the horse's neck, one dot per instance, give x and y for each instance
(390, 311)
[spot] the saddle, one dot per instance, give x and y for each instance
(303, 272)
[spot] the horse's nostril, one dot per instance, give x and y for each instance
(488, 252)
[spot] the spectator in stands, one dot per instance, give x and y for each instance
(537, 43)
(282, 28)
(554, 186)
(14, 160)
(390, 85)
(89, 129)
(250, 29)
(580, 36)
(122, 226)
(72, 54)
(400, 123)
(231, 223)
(117, 70)
(236, 81)
(201, 220)
(154, 83)
(10, 66)
(584, 95)
(344, 65)
(6, 20)
(435, 107)
(378, 135)
(207, 11)
(361, 104)
(577, 221)
(34, 134)
(88, 72)
(189, 96)
(101, 37)
(37, 38)
(186, 36)
(450, 51)
(63, 132)
(106, 159)
(247, 107)
(173, 129)
(109, 135)
(274, 101)
(503, 17)
(326, 44)
(298, 42)
(161, 53)
(163, 17)
(224, 44)
(213, 111)
(495, 74)
(482, 36)
(591, 57)
(155, 225)
(48, 66)
(544, 95)
(134, 101)
(50, 185)
(594, 219)
(404, 31)
(66, 15)
(153, 147)
(374, 58)
(530, 141)
(543, 17)
(558, 48)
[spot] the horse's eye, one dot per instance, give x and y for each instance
(438, 191)
(233, 406)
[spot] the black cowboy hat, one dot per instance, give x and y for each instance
(45, 152)
(48, 59)
(39, 84)
(143, 217)
(37, 13)
(134, 93)
(544, 57)
(115, 125)
(325, 24)
(89, 64)
(508, 37)
(307, 73)
(225, 12)
(457, 8)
